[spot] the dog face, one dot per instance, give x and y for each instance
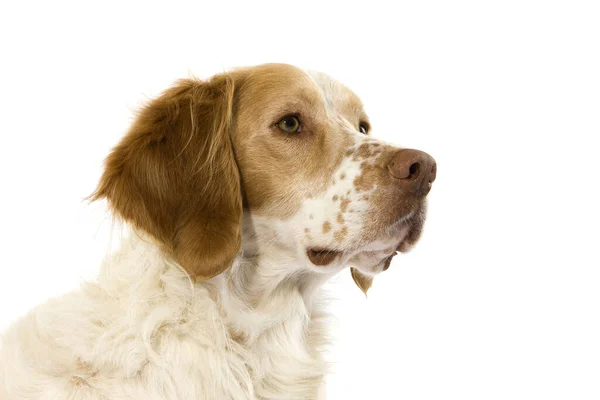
(284, 156)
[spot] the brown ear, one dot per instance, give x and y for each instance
(174, 175)
(363, 281)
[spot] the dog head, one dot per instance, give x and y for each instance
(267, 154)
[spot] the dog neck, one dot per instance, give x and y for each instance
(269, 283)
(267, 286)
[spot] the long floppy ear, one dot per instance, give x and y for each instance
(175, 177)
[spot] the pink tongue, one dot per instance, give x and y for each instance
(322, 257)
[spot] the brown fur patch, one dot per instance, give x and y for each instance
(344, 205)
(363, 151)
(326, 227)
(367, 179)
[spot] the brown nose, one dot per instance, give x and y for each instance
(413, 169)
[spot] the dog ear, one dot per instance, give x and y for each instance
(174, 175)
(363, 281)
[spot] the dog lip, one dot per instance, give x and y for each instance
(322, 257)
(388, 261)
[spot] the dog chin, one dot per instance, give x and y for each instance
(412, 236)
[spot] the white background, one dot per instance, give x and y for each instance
(501, 299)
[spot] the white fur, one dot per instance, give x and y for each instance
(142, 331)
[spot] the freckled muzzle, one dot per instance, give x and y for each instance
(413, 170)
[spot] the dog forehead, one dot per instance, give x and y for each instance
(338, 97)
(277, 82)
(267, 87)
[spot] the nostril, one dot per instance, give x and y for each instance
(413, 171)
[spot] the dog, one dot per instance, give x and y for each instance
(242, 195)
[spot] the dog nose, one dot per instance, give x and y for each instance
(413, 169)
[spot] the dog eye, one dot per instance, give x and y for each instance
(290, 124)
(363, 128)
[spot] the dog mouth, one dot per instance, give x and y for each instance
(407, 231)
(322, 257)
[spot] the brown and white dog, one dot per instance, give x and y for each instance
(244, 194)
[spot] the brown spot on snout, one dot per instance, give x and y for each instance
(326, 227)
(368, 178)
(344, 205)
(341, 234)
